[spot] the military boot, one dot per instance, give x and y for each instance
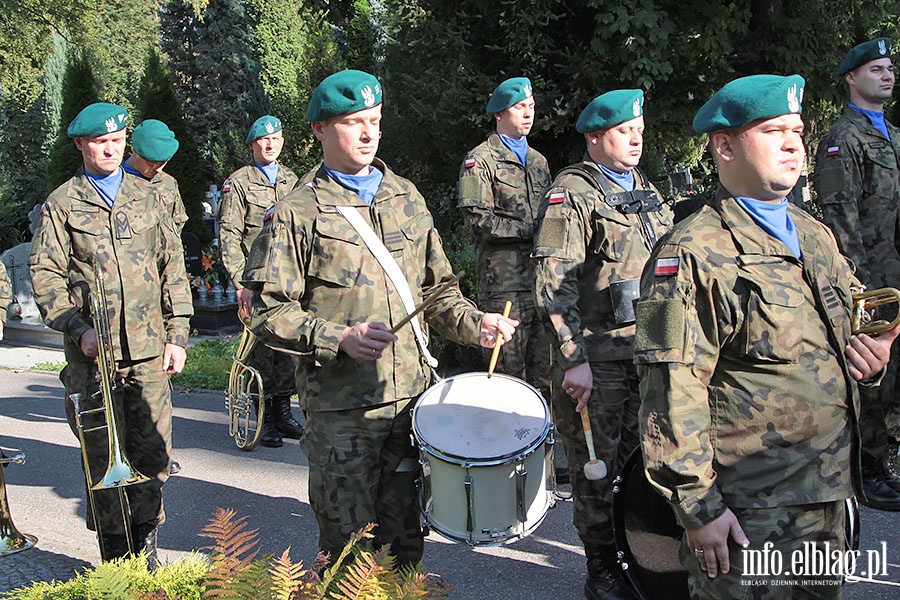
(285, 422)
(879, 493)
(270, 437)
(891, 469)
(145, 539)
(605, 581)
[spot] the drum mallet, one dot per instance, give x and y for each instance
(594, 469)
(496, 353)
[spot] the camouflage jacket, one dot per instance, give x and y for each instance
(315, 277)
(147, 290)
(246, 196)
(169, 197)
(500, 199)
(5, 291)
(582, 246)
(746, 397)
(857, 181)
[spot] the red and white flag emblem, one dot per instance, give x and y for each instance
(666, 266)
(557, 198)
(833, 150)
(470, 162)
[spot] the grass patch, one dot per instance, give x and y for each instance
(208, 364)
(51, 366)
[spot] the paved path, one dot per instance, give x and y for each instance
(268, 486)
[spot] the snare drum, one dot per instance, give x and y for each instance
(484, 446)
(648, 537)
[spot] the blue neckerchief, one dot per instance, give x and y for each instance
(875, 117)
(623, 180)
(773, 218)
(131, 170)
(270, 171)
(365, 186)
(518, 147)
(107, 186)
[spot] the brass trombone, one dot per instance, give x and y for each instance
(119, 472)
(865, 318)
(244, 395)
(11, 540)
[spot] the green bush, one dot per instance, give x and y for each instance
(233, 571)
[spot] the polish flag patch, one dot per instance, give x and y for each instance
(666, 266)
(269, 213)
(833, 151)
(470, 162)
(557, 198)
(226, 187)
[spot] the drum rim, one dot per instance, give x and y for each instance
(492, 461)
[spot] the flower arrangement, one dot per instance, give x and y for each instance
(214, 272)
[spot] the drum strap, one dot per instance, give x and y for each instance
(394, 273)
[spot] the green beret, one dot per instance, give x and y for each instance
(153, 141)
(749, 99)
(510, 92)
(343, 93)
(262, 127)
(865, 52)
(96, 119)
(610, 109)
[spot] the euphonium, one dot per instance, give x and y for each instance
(119, 472)
(864, 318)
(244, 396)
(10, 539)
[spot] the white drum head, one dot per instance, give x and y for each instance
(469, 416)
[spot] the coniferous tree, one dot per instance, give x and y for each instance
(216, 78)
(79, 89)
(156, 100)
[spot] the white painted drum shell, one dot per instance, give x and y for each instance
(488, 428)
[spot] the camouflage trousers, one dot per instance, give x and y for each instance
(363, 468)
(277, 370)
(527, 354)
(613, 410)
(143, 408)
(778, 536)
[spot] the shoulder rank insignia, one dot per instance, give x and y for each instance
(557, 198)
(470, 162)
(666, 266)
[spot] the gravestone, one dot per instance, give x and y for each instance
(192, 254)
(23, 319)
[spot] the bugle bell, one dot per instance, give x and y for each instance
(244, 396)
(11, 540)
(868, 308)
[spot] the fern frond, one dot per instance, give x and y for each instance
(361, 579)
(286, 576)
(233, 554)
(329, 575)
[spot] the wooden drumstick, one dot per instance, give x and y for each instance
(496, 353)
(429, 300)
(595, 469)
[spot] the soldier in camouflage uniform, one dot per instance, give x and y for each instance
(748, 368)
(322, 293)
(246, 196)
(501, 182)
(154, 144)
(857, 179)
(105, 217)
(599, 220)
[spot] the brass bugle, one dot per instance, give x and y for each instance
(862, 320)
(11, 539)
(244, 395)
